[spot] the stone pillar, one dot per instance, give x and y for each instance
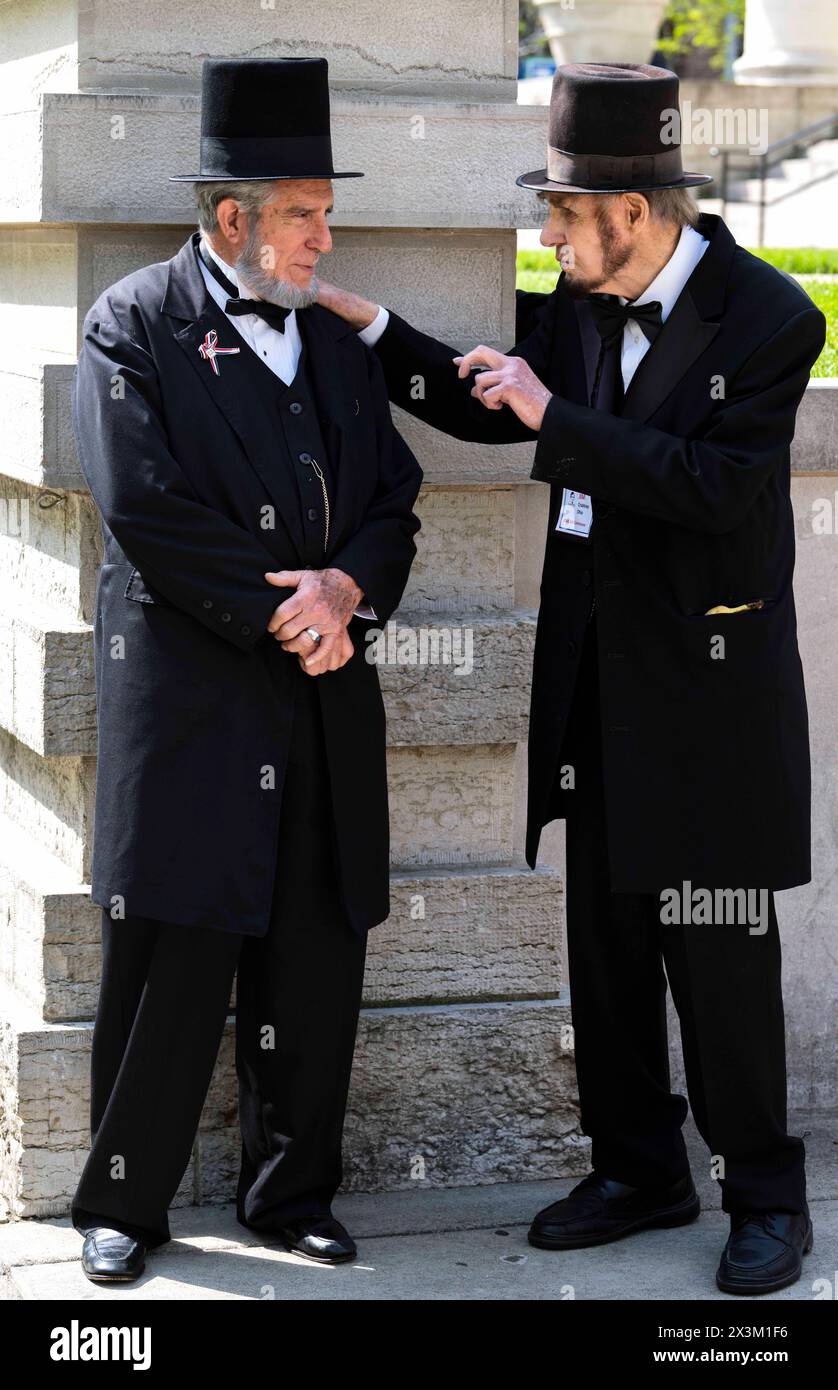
(790, 43)
(464, 1072)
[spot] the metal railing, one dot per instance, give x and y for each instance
(789, 147)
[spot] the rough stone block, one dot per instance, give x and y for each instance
(100, 160)
(469, 935)
(452, 805)
(455, 1094)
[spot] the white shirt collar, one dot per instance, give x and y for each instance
(671, 279)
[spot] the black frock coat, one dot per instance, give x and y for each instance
(194, 697)
(706, 756)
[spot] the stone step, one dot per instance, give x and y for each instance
(448, 1094)
(447, 678)
(488, 932)
(70, 161)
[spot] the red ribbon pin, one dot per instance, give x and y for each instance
(209, 350)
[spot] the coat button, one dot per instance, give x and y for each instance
(225, 617)
(207, 603)
(295, 408)
(305, 458)
(586, 579)
(312, 514)
(245, 631)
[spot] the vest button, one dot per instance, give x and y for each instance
(225, 617)
(305, 458)
(207, 603)
(295, 408)
(586, 578)
(312, 514)
(245, 632)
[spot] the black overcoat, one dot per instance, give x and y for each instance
(194, 697)
(706, 756)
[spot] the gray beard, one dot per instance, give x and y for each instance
(281, 292)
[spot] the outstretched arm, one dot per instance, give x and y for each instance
(422, 373)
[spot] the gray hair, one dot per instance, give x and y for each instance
(251, 197)
(673, 205)
(665, 204)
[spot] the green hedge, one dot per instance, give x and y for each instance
(537, 270)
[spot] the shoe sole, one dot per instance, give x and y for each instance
(663, 1220)
(112, 1278)
(781, 1282)
(318, 1259)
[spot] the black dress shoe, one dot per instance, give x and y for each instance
(599, 1210)
(764, 1251)
(320, 1238)
(111, 1256)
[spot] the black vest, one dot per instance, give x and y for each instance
(295, 430)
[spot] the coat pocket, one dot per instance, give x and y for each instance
(140, 592)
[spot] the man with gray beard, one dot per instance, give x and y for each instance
(256, 508)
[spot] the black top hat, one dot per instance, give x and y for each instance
(608, 131)
(265, 118)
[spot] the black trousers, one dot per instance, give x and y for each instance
(726, 988)
(164, 998)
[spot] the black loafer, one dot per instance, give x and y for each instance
(764, 1251)
(599, 1210)
(320, 1238)
(111, 1256)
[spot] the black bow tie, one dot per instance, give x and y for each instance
(271, 313)
(611, 317)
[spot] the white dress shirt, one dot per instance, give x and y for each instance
(666, 287)
(280, 352)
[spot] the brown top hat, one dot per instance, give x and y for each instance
(610, 132)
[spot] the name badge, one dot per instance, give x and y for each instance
(575, 513)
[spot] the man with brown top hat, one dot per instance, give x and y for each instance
(256, 506)
(660, 381)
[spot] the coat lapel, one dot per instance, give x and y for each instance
(235, 388)
(690, 328)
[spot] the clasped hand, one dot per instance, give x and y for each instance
(324, 600)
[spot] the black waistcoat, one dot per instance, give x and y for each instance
(295, 433)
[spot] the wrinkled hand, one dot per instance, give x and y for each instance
(324, 600)
(508, 381)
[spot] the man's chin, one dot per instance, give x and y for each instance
(576, 286)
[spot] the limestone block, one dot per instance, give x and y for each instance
(452, 805)
(39, 51)
(466, 552)
(467, 934)
(50, 549)
(470, 935)
(51, 703)
(815, 445)
(44, 1112)
(451, 1095)
(49, 800)
(452, 679)
(49, 930)
(369, 46)
(107, 159)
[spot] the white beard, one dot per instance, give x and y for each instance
(249, 270)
